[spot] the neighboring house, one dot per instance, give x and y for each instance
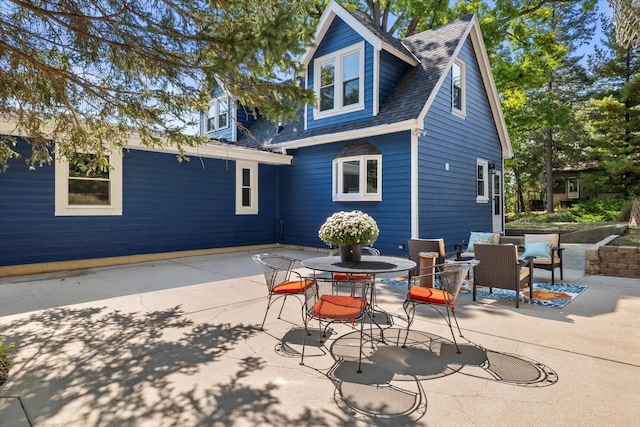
(569, 186)
(409, 131)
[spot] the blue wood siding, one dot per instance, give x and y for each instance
(338, 36)
(391, 71)
(167, 206)
(245, 117)
(306, 194)
(447, 203)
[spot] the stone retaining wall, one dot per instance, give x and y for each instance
(619, 261)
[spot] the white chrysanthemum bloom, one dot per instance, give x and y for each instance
(349, 228)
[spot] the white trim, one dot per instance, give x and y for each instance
(332, 10)
(214, 151)
(337, 58)
(473, 30)
(485, 178)
(351, 134)
(497, 227)
(220, 151)
(253, 186)
(362, 195)
(376, 82)
(490, 87)
(415, 195)
(233, 115)
(62, 207)
(215, 104)
(462, 111)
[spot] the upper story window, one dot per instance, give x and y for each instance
(246, 188)
(339, 81)
(218, 114)
(458, 88)
(482, 181)
(79, 191)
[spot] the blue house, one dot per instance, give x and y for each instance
(409, 131)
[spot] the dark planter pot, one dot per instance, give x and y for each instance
(351, 253)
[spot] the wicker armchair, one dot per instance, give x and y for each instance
(553, 257)
(499, 267)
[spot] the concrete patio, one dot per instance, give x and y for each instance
(177, 343)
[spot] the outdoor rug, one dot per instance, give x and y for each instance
(544, 294)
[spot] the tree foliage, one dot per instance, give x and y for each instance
(89, 74)
(615, 117)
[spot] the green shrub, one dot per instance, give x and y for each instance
(5, 359)
(598, 210)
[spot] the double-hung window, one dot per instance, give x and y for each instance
(81, 191)
(218, 114)
(482, 181)
(246, 188)
(339, 81)
(458, 88)
(357, 178)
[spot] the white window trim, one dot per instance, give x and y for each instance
(253, 168)
(361, 195)
(337, 94)
(461, 112)
(215, 105)
(485, 177)
(62, 207)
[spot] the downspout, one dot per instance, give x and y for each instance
(415, 214)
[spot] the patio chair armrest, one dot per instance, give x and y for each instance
(526, 262)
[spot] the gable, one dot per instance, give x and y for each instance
(404, 92)
(369, 33)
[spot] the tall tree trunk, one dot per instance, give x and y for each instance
(519, 196)
(549, 167)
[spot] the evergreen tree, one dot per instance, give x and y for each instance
(90, 73)
(615, 117)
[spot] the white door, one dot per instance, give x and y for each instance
(496, 185)
(573, 191)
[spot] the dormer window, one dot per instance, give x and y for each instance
(458, 90)
(339, 81)
(218, 115)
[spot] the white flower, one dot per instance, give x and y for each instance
(349, 228)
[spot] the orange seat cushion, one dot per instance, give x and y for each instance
(339, 307)
(293, 287)
(345, 276)
(431, 296)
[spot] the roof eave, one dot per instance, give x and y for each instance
(473, 30)
(407, 125)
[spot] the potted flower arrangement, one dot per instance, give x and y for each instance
(349, 231)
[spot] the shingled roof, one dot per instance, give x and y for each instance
(434, 49)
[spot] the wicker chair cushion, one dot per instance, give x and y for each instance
(489, 238)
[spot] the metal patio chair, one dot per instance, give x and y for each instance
(282, 281)
(448, 280)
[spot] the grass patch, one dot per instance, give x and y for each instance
(5, 360)
(630, 238)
